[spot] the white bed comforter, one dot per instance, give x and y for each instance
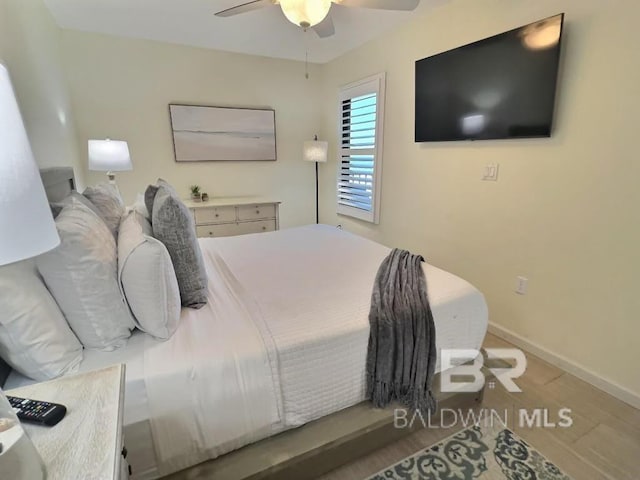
(210, 388)
(283, 340)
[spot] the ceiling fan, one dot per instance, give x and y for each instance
(315, 13)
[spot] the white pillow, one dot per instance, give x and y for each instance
(82, 275)
(34, 336)
(141, 207)
(147, 277)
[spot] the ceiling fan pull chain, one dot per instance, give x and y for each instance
(306, 64)
(306, 54)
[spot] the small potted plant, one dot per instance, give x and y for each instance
(195, 193)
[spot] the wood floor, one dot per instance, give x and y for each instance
(602, 443)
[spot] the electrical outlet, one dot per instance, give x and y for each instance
(521, 285)
(491, 172)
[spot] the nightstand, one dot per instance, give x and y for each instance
(88, 442)
(225, 217)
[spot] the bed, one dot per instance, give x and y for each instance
(282, 343)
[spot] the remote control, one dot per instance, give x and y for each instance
(35, 411)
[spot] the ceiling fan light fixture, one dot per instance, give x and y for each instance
(305, 13)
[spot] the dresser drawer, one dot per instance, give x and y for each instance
(204, 231)
(255, 212)
(256, 227)
(215, 215)
(223, 230)
(232, 229)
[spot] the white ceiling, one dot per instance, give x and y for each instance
(263, 32)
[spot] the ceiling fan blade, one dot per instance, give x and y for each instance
(381, 4)
(325, 28)
(245, 7)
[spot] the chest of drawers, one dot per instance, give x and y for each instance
(225, 217)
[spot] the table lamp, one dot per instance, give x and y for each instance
(109, 156)
(316, 151)
(27, 229)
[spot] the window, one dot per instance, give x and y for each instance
(360, 165)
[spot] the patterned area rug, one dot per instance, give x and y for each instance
(476, 452)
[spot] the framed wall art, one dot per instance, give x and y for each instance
(203, 134)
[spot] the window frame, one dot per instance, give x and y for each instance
(372, 84)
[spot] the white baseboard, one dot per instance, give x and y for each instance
(567, 365)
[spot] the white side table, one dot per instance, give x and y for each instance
(88, 441)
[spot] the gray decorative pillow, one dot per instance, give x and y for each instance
(109, 203)
(150, 196)
(82, 275)
(174, 226)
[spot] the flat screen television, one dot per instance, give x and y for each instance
(500, 87)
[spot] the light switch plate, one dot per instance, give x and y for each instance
(521, 285)
(491, 172)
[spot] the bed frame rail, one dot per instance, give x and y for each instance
(314, 449)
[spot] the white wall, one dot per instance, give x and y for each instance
(565, 211)
(30, 48)
(121, 88)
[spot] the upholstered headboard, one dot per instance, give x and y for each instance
(58, 182)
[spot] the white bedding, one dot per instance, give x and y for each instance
(210, 387)
(314, 285)
(306, 292)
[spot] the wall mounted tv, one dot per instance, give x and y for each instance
(500, 87)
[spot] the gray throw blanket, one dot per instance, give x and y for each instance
(401, 357)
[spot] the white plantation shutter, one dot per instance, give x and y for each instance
(361, 114)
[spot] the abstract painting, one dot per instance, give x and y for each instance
(203, 134)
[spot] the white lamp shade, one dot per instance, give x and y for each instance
(305, 13)
(27, 228)
(109, 156)
(315, 151)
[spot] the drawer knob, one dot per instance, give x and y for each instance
(211, 234)
(264, 228)
(258, 212)
(217, 215)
